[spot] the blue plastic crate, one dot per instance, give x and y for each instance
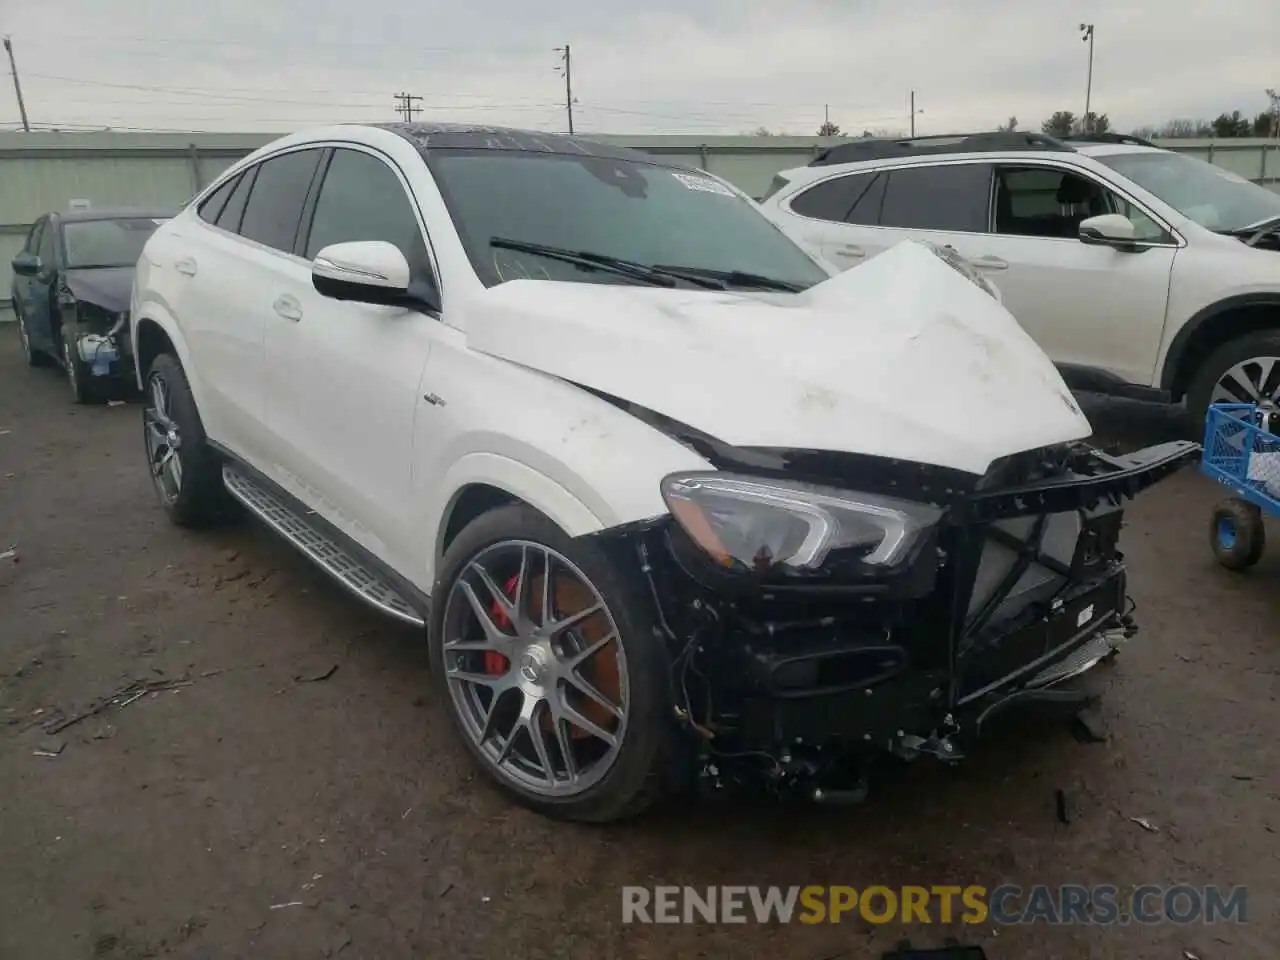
(1241, 455)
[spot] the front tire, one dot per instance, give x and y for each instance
(185, 471)
(552, 667)
(85, 388)
(1239, 371)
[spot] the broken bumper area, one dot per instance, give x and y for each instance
(102, 355)
(797, 683)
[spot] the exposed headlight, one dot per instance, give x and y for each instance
(761, 523)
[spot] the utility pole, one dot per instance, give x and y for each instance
(17, 85)
(566, 67)
(1086, 35)
(405, 106)
(913, 114)
(1274, 97)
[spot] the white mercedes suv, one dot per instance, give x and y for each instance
(661, 489)
(1140, 272)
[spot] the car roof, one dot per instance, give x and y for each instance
(112, 213)
(1112, 149)
(1077, 147)
(426, 136)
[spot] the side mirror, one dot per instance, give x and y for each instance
(26, 264)
(1108, 229)
(366, 271)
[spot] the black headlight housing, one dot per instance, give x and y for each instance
(758, 531)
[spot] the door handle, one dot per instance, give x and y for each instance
(186, 266)
(850, 250)
(990, 263)
(288, 307)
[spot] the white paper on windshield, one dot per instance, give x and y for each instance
(1228, 175)
(704, 184)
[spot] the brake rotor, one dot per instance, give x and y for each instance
(600, 670)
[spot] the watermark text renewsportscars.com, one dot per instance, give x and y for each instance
(1006, 905)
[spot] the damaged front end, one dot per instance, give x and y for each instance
(97, 335)
(822, 609)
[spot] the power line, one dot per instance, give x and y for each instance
(17, 84)
(405, 107)
(566, 67)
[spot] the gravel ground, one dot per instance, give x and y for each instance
(173, 825)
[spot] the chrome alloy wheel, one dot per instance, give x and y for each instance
(535, 668)
(163, 441)
(1255, 380)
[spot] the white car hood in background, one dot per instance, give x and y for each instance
(899, 357)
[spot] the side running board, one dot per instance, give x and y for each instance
(322, 548)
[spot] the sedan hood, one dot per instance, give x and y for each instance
(107, 287)
(901, 357)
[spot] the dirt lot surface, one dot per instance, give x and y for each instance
(177, 824)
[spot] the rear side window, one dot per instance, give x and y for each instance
(213, 204)
(275, 202)
(229, 216)
(946, 197)
(832, 199)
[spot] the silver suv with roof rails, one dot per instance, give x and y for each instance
(1141, 272)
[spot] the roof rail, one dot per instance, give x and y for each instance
(875, 148)
(1109, 138)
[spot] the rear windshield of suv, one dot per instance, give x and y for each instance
(1209, 195)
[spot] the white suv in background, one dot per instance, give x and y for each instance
(1140, 272)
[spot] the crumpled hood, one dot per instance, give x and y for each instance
(899, 357)
(108, 287)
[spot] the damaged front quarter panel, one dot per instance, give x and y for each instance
(796, 682)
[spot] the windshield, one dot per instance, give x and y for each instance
(639, 212)
(1212, 197)
(106, 243)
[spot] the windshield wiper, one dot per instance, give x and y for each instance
(1261, 225)
(589, 261)
(724, 279)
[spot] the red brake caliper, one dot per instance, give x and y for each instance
(495, 663)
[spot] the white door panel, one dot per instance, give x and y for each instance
(215, 277)
(1088, 305)
(341, 395)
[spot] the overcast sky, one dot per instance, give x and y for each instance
(663, 66)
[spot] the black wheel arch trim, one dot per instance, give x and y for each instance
(1178, 347)
(420, 600)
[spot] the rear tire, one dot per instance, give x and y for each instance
(1235, 355)
(639, 770)
(1237, 534)
(192, 491)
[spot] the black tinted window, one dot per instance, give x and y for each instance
(212, 206)
(867, 210)
(229, 216)
(832, 199)
(362, 199)
(275, 202)
(949, 197)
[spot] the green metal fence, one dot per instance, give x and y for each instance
(49, 171)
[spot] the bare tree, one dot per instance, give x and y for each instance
(1008, 127)
(829, 129)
